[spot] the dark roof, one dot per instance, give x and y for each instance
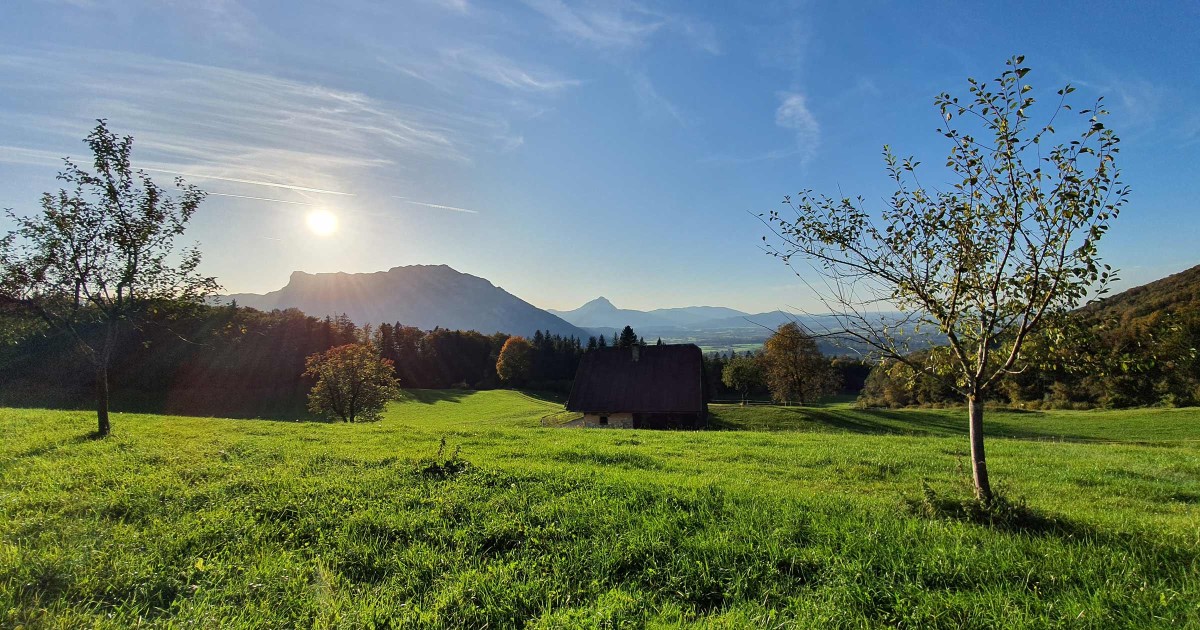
(663, 379)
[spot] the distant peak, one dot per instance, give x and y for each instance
(438, 267)
(600, 301)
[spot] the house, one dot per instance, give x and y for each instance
(643, 387)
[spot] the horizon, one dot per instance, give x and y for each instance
(564, 151)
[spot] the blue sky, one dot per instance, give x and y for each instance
(565, 150)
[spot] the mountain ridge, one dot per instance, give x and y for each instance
(425, 296)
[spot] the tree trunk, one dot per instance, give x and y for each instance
(102, 401)
(983, 489)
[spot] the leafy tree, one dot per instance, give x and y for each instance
(793, 366)
(353, 383)
(743, 375)
(100, 257)
(985, 261)
(515, 364)
(628, 338)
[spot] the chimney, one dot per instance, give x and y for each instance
(635, 352)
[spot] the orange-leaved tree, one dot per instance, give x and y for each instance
(515, 364)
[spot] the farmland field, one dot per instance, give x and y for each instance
(826, 516)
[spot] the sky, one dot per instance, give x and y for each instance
(566, 150)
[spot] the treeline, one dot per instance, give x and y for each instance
(234, 361)
(1138, 348)
(849, 375)
(441, 358)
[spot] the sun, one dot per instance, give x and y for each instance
(322, 222)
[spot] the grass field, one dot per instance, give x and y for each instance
(817, 518)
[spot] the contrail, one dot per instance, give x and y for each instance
(250, 181)
(434, 205)
(298, 203)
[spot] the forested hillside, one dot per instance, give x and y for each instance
(1138, 347)
(1177, 295)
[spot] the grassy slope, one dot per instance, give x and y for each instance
(276, 524)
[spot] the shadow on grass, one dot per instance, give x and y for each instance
(550, 397)
(1001, 513)
(875, 421)
(282, 404)
(431, 396)
(50, 447)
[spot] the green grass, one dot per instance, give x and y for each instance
(1128, 425)
(242, 523)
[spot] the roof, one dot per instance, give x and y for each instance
(662, 379)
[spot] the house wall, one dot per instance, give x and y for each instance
(615, 421)
(669, 421)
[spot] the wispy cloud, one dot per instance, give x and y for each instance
(242, 127)
(502, 71)
(450, 70)
(457, 6)
(654, 103)
(434, 205)
(793, 114)
(616, 24)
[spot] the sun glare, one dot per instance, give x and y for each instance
(322, 222)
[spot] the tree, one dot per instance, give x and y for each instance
(591, 344)
(628, 338)
(986, 261)
(601, 342)
(353, 383)
(101, 256)
(515, 364)
(743, 375)
(793, 367)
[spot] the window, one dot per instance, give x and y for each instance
(603, 419)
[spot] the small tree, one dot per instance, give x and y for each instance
(353, 383)
(794, 368)
(743, 375)
(515, 363)
(628, 338)
(985, 261)
(101, 255)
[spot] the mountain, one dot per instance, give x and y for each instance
(425, 296)
(772, 320)
(600, 314)
(691, 315)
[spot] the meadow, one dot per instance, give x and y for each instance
(459, 509)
